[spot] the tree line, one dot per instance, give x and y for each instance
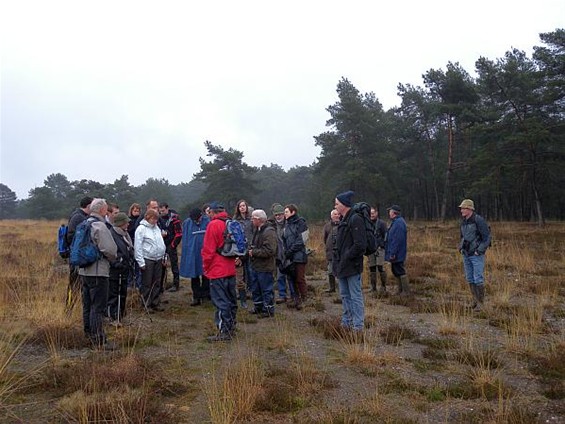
(498, 137)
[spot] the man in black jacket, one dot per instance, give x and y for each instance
(172, 234)
(351, 243)
(75, 285)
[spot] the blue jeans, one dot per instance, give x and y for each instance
(224, 298)
(474, 267)
(281, 282)
(352, 302)
(263, 297)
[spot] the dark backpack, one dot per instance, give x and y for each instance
(83, 250)
(364, 211)
(62, 243)
(234, 240)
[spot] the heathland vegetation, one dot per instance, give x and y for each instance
(425, 359)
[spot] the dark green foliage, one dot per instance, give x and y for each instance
(7, 202)
(498, 138)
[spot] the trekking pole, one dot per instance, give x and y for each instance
(119, 298)
(144, 303)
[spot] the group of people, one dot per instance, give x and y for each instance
(137, 248)
(345, 241)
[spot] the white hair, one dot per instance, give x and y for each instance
(97, 205)
(259, 213)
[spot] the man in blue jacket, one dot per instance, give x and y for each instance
(475, 240)
(395, 248)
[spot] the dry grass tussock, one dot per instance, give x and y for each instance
(429, 352)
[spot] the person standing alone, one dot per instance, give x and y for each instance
(475, 240)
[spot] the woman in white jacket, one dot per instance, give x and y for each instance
(149, 254)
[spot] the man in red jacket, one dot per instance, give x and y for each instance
(220, 270)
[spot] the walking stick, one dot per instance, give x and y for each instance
(119, 298)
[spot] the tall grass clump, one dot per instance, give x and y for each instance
(233, 391)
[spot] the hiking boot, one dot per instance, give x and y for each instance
(221, 337)
(196, 302)
(280, 300)
(331, 282)
(405, 285)
(373, 280)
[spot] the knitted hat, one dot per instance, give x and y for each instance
(467, 204)
(346, 198)
(277, 209)
(394, 208)
(120, 219)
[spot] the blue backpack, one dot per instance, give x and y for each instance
(83, 250)
(235, 243)
(62, 243)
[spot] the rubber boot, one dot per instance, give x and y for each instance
(331, 281)
(480, 291)
(373, 280)
(474, 293)
(399, 285)
(382, 290)
(242, 294)
(405, 283)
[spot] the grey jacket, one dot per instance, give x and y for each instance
(103, 239)
(475, 236)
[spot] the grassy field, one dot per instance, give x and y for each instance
(426, 359)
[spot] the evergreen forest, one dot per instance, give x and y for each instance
(496, 136)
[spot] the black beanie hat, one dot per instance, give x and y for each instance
(346, 198)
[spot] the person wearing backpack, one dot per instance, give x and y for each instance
(95, 276)
(220, 271)
(294, 238)
(75, 283)
(377, 259)
(475, 240)
(350, 246)
(244, 274)
(396, 248)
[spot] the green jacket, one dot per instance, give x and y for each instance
(264, 247)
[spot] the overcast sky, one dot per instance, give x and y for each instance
(98, 89)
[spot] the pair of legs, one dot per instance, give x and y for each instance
(400, 273)
(94, 300)
(298, 281)
(474, 266)
(200, 289)
(282, 280)
(117, 295)
(151, 287)
(353, 316)
(224, 298)
(174, 262)
(263, 296)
